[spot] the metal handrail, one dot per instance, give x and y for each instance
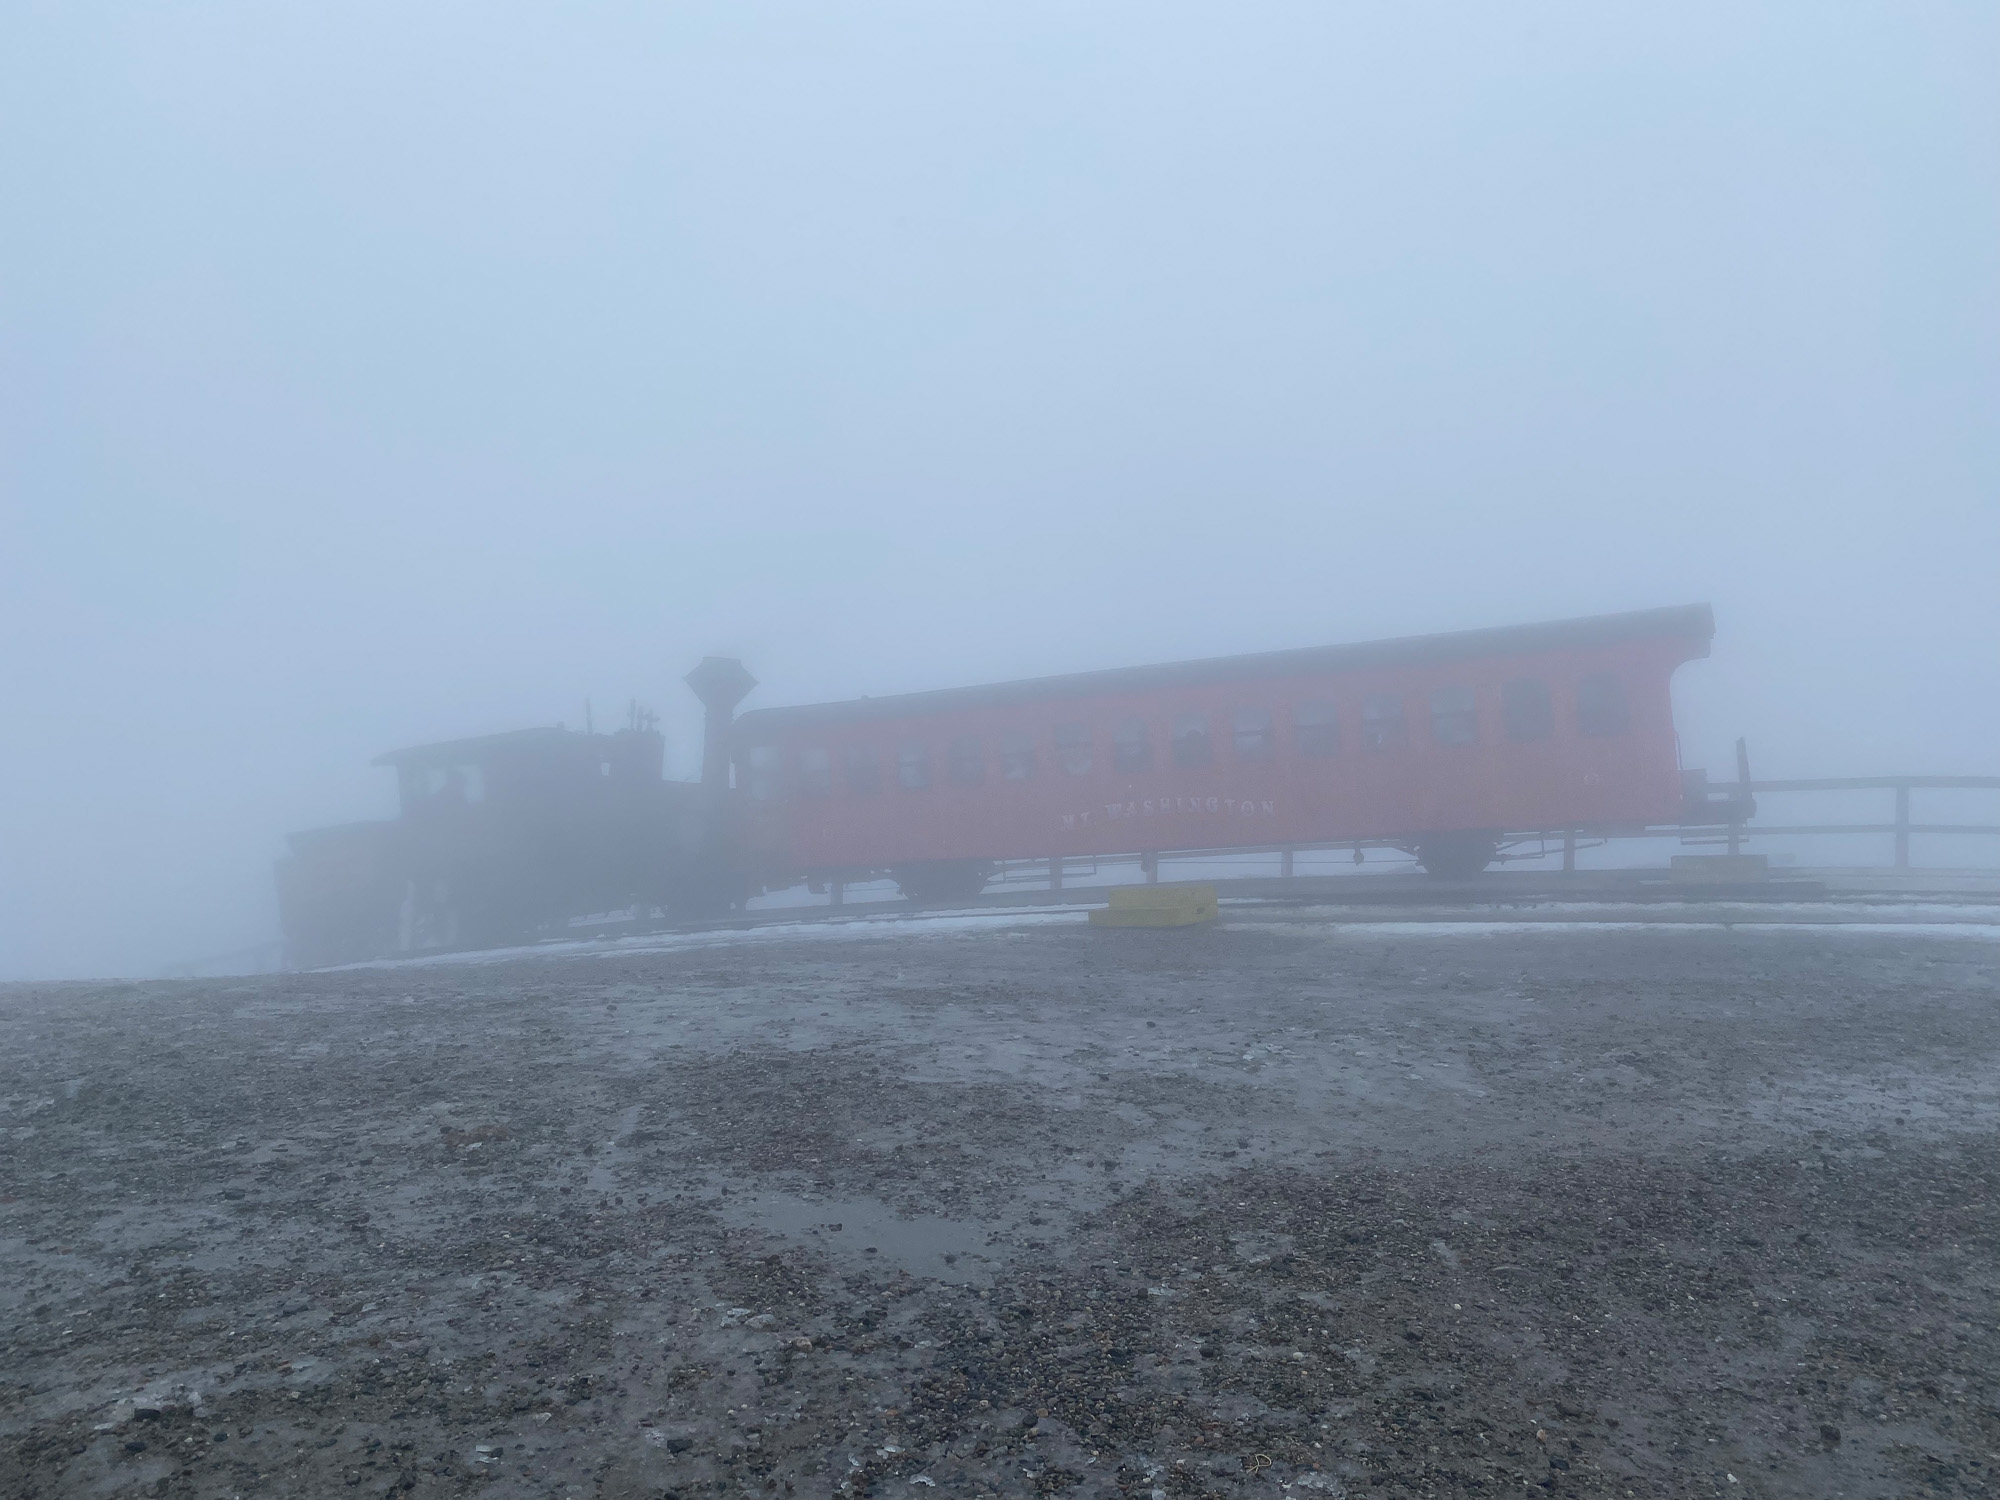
(1733, 794)
(1982, 828)
(1900, 829)
(1879, 783)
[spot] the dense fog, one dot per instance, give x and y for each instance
(379, 374)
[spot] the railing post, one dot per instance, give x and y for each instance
(1903, 825)
(1055, 873)
(1150, 864)
(838, 889)
(1285, 864)
(1569, 848)
(1742, 796)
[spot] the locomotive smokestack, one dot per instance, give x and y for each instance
(721, 683)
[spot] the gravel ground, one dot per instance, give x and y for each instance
(1014, 1209)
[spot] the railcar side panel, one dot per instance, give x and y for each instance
(1577, 737)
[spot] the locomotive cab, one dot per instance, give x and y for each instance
(501, 838)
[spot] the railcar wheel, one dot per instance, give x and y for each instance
(942, 879)
(1456, 856)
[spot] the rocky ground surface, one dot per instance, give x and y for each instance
(1016, 1209)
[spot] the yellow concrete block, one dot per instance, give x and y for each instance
(1156, 906)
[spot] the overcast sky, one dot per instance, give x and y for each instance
(379, 373)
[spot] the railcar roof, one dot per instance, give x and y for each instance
(1695, 622)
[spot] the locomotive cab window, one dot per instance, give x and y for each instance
(1017, 755)
(1454, 716)
(1382, 724)
(1250, 732)
(815, 773)
(764, 763)
(965, 761)
(1317, 728)
(1525, 706)
(1600, 705)
(913, 766)
(1190, 740)
(444, 786)
(864, 770)
(1132, 747)
(1073, 748)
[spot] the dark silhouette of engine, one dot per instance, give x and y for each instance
(502, 839)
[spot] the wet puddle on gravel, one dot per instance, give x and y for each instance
(867, 1231)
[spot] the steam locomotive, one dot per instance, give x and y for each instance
(1450, 747)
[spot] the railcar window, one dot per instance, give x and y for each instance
(1132, 747)
(1454, 716)
(1073, 748)
(1017, 755)
(1317, 728)
(1382, 724)
(815, 773)
(1190, 740)
(913, 766)
(1600, 705)
(965, 761)
(864, 770)
(1525, 706)
(1251, 734)
(764, 763)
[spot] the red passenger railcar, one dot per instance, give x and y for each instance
(1446, 745)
